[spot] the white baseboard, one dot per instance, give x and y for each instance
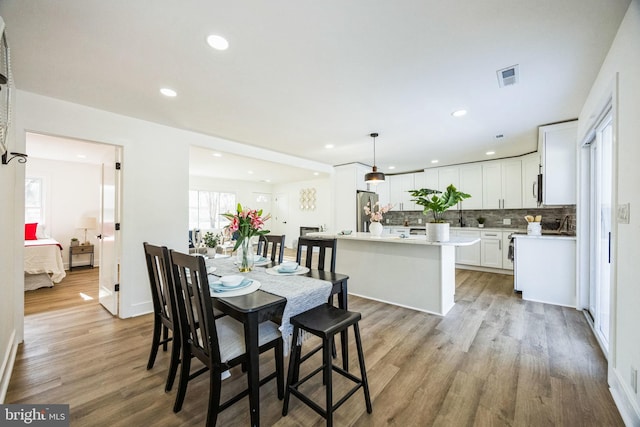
(7, 366)
(139, 309)
(623, 397)
(484, 269)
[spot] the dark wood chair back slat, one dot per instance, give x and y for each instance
(306, 247)
(277, 247)
(195, 308)
(164, 308)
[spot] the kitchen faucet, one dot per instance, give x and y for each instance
(564, 223)
(461, 219)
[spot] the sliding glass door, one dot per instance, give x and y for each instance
(601, 148)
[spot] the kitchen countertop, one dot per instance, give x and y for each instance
(546, 236)
(518, 231)
(413, 240)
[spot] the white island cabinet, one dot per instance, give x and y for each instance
(545, 269)
(409, 272)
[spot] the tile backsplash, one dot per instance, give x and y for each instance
(552, 218)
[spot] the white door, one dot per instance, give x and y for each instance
(600, 229)
(280, 214)
(109, 236)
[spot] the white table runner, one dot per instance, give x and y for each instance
(302, 293)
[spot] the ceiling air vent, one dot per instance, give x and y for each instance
(508, 76)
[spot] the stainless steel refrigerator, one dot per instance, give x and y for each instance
(363, 198)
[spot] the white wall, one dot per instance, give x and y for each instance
(11, 261)
(155, 183)
(72, 192)
(244, 190)
(623, 60)
(321, 215)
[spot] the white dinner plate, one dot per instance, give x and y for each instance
(254, 286)
(274, 271)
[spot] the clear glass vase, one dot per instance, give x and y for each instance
(245, 256)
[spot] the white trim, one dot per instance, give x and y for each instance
(7, 366)
(485, 269)
(596, 334)
(398, 305)
(622, 396)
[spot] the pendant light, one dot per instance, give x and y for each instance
(374, 177)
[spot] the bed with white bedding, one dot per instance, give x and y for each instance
(44, 256)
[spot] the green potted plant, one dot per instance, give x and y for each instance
(481, 222)
(437, 203)
(74, 241)
(211, 241)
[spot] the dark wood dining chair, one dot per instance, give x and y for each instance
(306, 248)
(218, 343)
(165, 315)
(277, 247)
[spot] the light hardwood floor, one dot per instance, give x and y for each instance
(494, 360)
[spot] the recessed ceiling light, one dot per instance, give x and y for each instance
(329, 146)
(168, 92)
(490, 153)
(392, 167)
(434, 161)
(81, 156)
(217, 42)
(459, 113)
(250, 172)
(217, 155)
(316, 173)
(266, 180)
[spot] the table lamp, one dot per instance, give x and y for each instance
(87, 223)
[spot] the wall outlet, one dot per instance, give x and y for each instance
(419, 220)
(623, 213)
(506, 221)
(634, 380)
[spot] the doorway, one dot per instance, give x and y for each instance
(600, 166)
(81, 186)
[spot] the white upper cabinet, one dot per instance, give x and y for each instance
(530, 170)
(360, 183)
(471, 183)
(502, 184)
(447, 176)
(382, 190)
(492, 185)
(399, 186)
(512, 184)
(430, 179)
(557, 144)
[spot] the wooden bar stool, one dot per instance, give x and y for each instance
(324, 322)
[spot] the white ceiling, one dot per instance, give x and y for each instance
(300, 75)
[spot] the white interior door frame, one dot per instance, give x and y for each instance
(110, 242)
(606, 112)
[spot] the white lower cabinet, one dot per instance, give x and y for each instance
(491, 249)
(507, 264)
(468, 255)
(546, 269)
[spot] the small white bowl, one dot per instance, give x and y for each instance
(288, 267)
(234, 280)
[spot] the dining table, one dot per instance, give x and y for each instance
(278, 298)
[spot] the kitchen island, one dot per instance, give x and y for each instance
(408, 272)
